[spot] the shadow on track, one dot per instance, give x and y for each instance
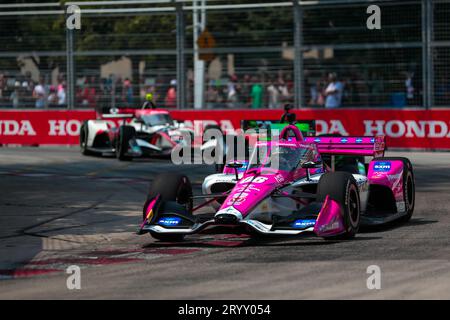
(396, 225)
(244, 242)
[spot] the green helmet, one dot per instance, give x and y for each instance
(149, 97)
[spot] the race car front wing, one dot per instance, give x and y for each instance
(329, 222)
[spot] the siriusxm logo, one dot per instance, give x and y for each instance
(169, 221)
(244, 166)
(382, 166)
(301, 224)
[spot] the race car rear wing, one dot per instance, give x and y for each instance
(118, 116)
(356, 146)
(306, 127)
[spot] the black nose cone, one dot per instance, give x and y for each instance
(226, 219)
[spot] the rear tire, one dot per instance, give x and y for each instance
(171, 187)
(126, 133)
(409, 196)
(210, 126)
(342, 188)
(218, 166)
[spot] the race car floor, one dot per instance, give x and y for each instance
(58, 208)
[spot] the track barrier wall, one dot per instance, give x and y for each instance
(411, 128)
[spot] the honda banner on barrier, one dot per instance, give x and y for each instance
(36, 127)
(413, 128)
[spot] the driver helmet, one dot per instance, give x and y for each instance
(149, 97)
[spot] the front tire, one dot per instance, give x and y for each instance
(342, 188)
(126, 133)
(171, 187)
(84, 135)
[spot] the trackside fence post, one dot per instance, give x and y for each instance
(298, 55)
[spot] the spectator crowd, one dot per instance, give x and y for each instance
(234, 92)
(23, 92)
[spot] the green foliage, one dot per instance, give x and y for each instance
(136, 32)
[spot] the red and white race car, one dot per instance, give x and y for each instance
(133, 133)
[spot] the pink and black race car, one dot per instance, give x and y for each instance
(289, 186)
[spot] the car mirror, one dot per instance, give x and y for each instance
(235, 165)
(311, 164)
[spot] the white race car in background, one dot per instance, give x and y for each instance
(150, 132)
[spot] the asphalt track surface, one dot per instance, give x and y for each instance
(58, 208)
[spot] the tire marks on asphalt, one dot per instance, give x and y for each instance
(54, 262)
